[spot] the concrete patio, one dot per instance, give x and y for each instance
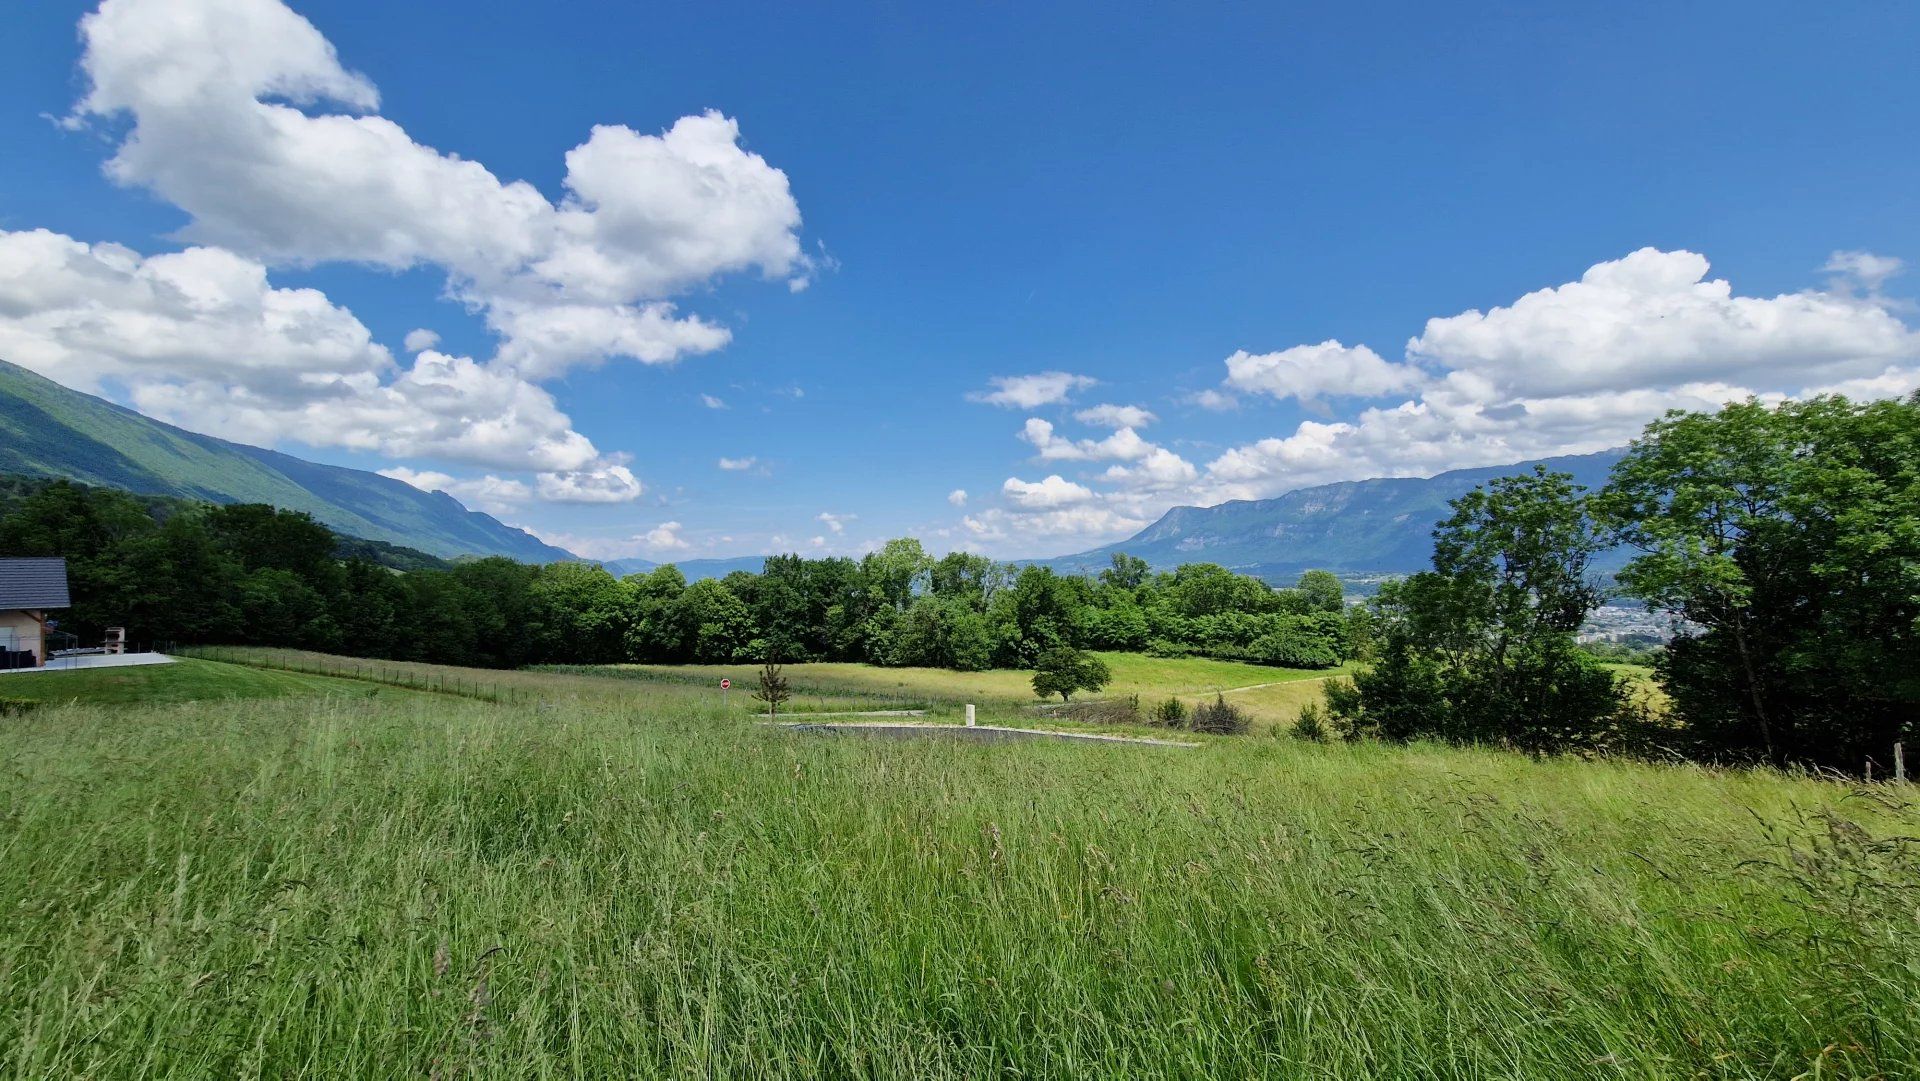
(92, 660)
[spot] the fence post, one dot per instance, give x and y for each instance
(1899, 761)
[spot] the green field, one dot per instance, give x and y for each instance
(182, 681)
(1272, 696)
(584, 881)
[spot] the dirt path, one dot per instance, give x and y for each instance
(1263, 686)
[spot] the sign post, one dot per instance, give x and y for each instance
(725, 686)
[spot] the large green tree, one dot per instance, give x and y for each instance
(1787, 540)
(1481, 648)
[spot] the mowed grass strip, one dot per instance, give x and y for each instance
(426, 885)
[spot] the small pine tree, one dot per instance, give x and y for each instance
(1311, 724)
(1219, 717)
(773, 688)
(1172, 713)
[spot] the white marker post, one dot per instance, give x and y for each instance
(969, 714)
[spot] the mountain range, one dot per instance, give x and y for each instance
(47, 430)
(1353, 528)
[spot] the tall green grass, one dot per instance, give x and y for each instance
(615, 886)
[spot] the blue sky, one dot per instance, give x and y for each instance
(1238, 219)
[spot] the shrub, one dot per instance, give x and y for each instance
(14, 707)
(1163, 647)
(1345, 708)
(1219, 717)
(1171, 713)
(1293, 649)
(1311, 725)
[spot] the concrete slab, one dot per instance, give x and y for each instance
(92, 660)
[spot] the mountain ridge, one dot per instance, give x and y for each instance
(1381, 525)
(49, 430)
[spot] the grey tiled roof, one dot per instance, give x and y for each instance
(33, 583)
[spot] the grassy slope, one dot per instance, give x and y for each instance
(182, 681)
(620, 884)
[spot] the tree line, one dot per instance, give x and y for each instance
(1784, 543)
(173, 570)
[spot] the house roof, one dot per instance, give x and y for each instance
(34, 583)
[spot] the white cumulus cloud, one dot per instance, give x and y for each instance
(242, 115)
(1115, 416)
(1314, 372)
(602, 482)
(1583, 366)
(1032, 391)
(664, 537)
(1046, 494)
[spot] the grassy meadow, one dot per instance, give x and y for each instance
(582, 880)
(1271, 696)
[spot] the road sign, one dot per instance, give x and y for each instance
(726, 684)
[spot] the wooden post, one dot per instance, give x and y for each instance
(1869, 771)
(969, 714)
(1899, 761)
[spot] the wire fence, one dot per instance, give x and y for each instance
(410, 675)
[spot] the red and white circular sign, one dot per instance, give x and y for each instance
(726, 684)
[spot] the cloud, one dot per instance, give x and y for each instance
(738, 465)
(1653, 320)
(242, 115)
(420, 338)
(1575, 368)
(83, 313)
(712, 402)
(1864, 268)
(1312, 372)
(489, 491)
(664, 537)
(203, 338)
(547, 339)
(1032, 391)
(602, 483)
(957, 497)
(1160, 470)
(1125, 444)
(1054, 491)
(1214, 400)
(1086, 521)
(835, 522)
(1584, 366)
(1115, 416)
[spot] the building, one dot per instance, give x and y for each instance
(31, 590)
